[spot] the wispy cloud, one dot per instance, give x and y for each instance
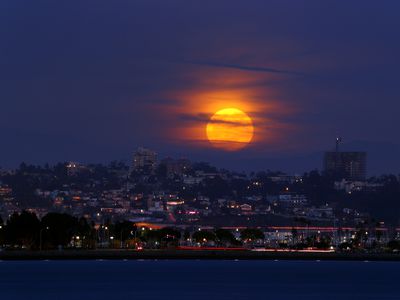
(240, 67)
(205, 119)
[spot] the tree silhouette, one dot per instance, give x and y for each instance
(60, 228)
(124, 230)
(203, 236)
(225, 237)
(251, 235)
(23, 229)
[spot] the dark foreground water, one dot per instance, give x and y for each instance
(199, 280)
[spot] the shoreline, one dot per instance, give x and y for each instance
(192, 254)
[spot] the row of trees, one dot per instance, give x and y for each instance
(223, 237)
(56, 230)
(59, 230)
(25, 230)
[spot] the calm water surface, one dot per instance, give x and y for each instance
(199, 280)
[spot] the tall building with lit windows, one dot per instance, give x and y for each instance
(345, 165)
(144, 160)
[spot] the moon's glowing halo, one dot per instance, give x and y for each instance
(194, 109)
(230, 129)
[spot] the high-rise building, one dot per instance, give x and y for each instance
(144, 160)
(345, 165)
(176, 166)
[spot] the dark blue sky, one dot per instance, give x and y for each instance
(92, 80)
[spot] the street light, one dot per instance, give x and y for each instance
(104, 234)
(40, 237)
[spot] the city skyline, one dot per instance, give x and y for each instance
(314, 161)
(90, 85)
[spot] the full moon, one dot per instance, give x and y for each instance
(230, 129)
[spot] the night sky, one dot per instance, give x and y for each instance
(90, 81)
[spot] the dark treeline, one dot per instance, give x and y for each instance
(54, 230)
(60, 230)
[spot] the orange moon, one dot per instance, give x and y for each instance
(230, 129)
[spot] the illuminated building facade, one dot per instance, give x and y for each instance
(346, 165)
(176, 166)
(144, 160)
